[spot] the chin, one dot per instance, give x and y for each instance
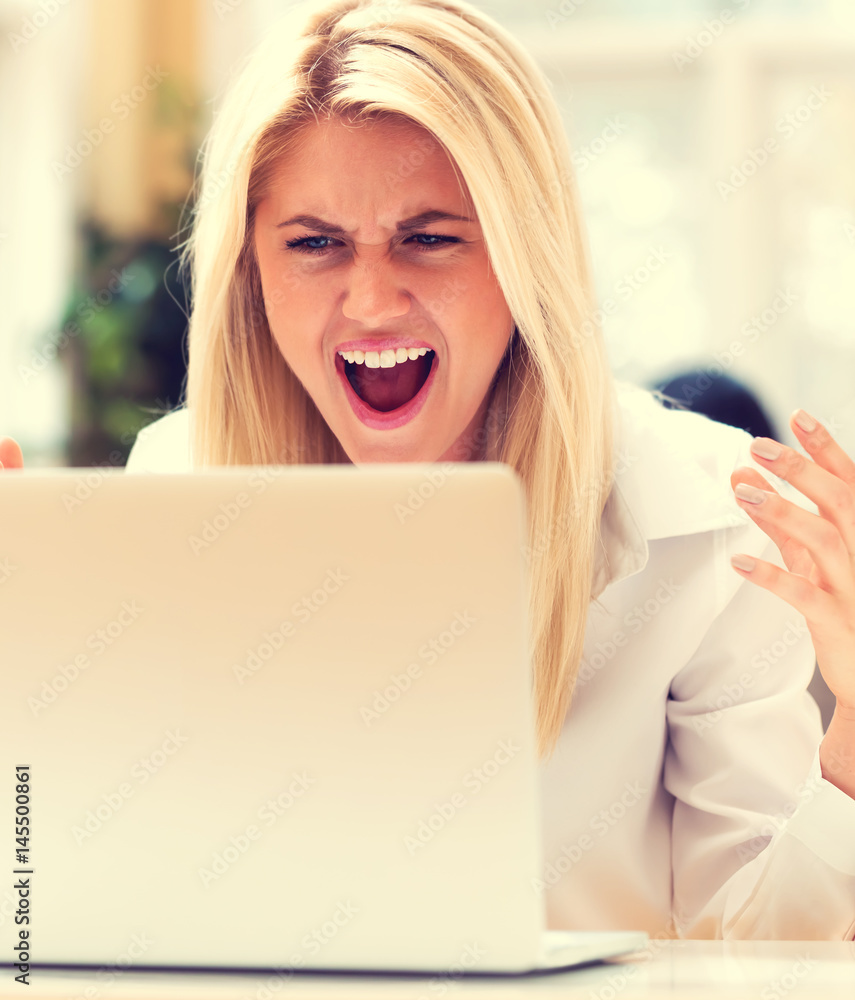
(372, 454)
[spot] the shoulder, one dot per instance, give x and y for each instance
(672, 480)
(163, 446)
(673, 466)
(649, 426)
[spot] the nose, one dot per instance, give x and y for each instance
(373, 294)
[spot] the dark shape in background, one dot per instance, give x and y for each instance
(718, 397)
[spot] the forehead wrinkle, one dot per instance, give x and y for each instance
(370, 203)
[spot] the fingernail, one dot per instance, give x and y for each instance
(749, 493)
(745, 563)
(805, 421)
(765, 448)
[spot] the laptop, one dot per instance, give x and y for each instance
(272, 718)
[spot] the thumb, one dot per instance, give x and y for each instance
(10, 454)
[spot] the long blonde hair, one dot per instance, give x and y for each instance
(446, 66)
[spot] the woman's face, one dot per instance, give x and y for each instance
(379, 292)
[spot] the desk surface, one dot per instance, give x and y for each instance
(691, 970)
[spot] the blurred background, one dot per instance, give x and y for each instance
(714, 144)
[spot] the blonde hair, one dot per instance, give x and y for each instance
(452, 70)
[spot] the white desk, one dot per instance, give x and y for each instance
(690, 970)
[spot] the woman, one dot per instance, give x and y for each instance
(388, 265)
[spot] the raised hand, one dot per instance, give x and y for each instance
(819, 552)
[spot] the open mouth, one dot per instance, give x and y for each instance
(387, 380)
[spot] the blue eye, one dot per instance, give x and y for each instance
(305, 244)
(440, 241)
(431, 236)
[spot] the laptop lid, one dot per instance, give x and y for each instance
(270, 717)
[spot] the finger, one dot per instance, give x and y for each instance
(751, 477)
(747, 474)
(821, 539)
(834, 498)
(815, 604)
(10, 454)
(822, 447)
(796, 557)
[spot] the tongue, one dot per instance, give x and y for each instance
(386, 389)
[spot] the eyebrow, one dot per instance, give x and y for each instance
(414, 222)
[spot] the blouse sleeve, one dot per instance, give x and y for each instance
(763, 847)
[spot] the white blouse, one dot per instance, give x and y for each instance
(685, 796)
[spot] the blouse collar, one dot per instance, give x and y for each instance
(672, 478)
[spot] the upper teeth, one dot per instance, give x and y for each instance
(384, 359)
